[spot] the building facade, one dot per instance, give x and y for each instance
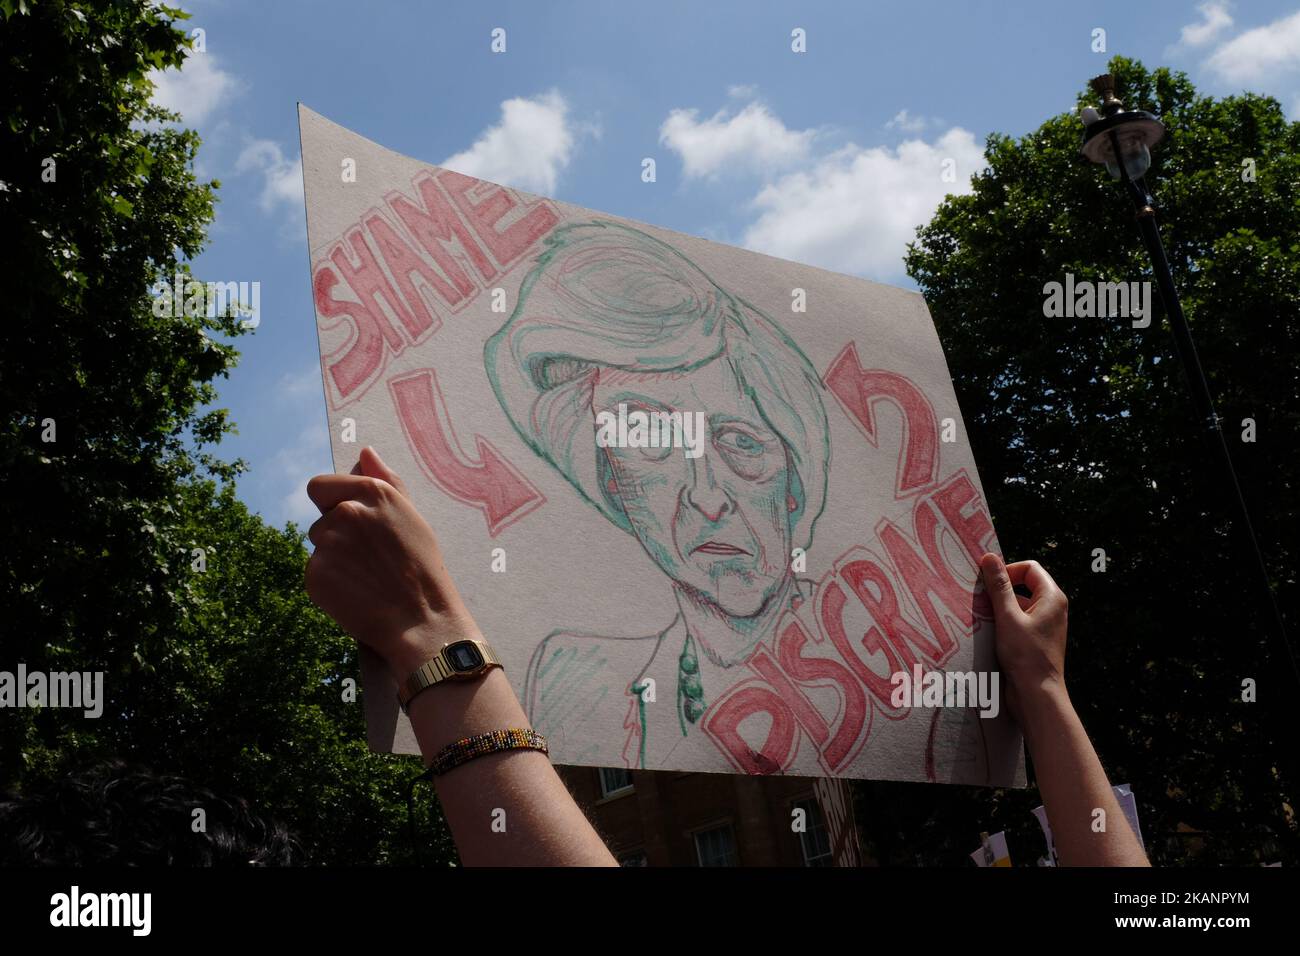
(663, 818)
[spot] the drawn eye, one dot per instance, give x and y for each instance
(651, 453)
(747, 455)
(739, 441)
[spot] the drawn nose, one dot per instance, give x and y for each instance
(705, 495)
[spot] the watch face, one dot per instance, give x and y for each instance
(464, 656)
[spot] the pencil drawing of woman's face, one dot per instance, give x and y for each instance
(720, 523)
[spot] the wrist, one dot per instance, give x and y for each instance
(418, 645)
(1037, 683)
(1043, 704)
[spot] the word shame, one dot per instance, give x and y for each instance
(393, 278)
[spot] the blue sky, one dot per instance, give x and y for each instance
(824, 157)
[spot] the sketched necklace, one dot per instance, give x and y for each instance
(690, 693)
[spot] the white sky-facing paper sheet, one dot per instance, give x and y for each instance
(703, 502)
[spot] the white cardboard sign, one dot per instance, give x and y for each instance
(704, 503)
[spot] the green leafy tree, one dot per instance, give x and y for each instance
(101, 396)
(1086, 438)
(263, 689)
(217, 668)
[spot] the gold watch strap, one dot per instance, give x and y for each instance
(438, 669)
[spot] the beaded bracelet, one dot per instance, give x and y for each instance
(494, 741)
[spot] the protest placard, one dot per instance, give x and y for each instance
(705, 503)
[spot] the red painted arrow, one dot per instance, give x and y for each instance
(491, 484)
(859, 389)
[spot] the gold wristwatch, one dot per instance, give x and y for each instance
(459, 660)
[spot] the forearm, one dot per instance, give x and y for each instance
(539, 823)
(1073, 785)
(377, 570)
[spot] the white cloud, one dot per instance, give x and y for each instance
(294, 466)
(742, 91)
(281, 176)
(295, 386)
(1214, 20)
(196, 90)
(907, 122)
(752, 139)
(298, 395)
(528, 149)
(856, 209)
(1264, 53)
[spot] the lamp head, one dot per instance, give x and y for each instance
(1104, 86)
(1134, 132)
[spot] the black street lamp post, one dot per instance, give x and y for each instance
(1121, 140)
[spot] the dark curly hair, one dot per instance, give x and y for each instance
(128, 815)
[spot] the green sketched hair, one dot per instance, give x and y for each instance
(606, 295)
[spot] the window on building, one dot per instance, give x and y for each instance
(614, 780)
(633, 858)
(716, 846)
(816, 839)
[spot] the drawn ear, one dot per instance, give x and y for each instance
(550, 371)
(794, 491)
(605, 476)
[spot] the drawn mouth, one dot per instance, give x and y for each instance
(716, 547)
